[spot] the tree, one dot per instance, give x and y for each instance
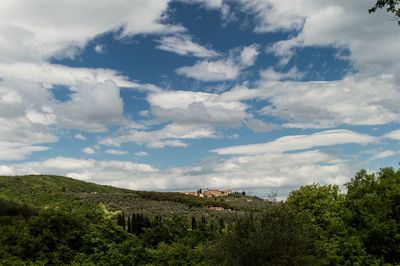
(373, 201)
(392, 6)
(279, 236)
(194, 223)
(326, 207)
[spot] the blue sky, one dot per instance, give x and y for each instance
(177, 95)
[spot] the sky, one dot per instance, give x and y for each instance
(254, 95)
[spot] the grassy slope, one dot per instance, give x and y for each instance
(42, 191)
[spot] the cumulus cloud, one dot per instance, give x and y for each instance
(89, 150)
(248, 55)
(141, 153)
(29, 111)
(276, 170)
(318, 25)
(106, 107)
(80, 137)
(116, 152)
(100, 49)
(186, 107)
(224, 69)
(41, 30)
(211, 70)
(183, 45)
(169, 136)
(26, 115)
(117, 173)
(355, 100)
(260, 126)
(368, 97)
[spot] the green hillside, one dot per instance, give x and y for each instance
(58, 191)
(55, 220)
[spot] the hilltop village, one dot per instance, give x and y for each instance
(212, 193)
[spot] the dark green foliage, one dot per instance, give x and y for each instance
(10, 208)
(121, 219)
(279, 236)
(373, 201)
(194, 223)
(391, 6)
(361, 227)
(138, 223)
(129, 225)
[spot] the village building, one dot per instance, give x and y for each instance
(210, 193)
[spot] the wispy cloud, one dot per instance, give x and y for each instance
(184, 45)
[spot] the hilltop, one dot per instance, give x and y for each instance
(57, 191)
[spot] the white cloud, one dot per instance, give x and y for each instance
(18, 151)
(249, 55)
(116, 152)
(89, 150)
(183, 45)
(169, 136)
(395, 134)
(5, 170)
(299, 142)
(285, 162)
(29, 113)
(117, 173)
(58, 164)
(270, 75)
(25, 118)
(106, 107)
(41, 30)
(213, 5)
(383, 154)
(186, 107)
(29, 39)
(80, 137)
(274, 15)
(336, 24)
(273, 170)
(141, 153)
(50, 74)
(355, 100)
(211, 70)
(100, 49)
(224, 69)
(260, 126)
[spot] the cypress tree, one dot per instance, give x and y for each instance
(121, 220)
(129, 225)
(194, 223)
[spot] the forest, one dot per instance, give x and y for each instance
(54, 220)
